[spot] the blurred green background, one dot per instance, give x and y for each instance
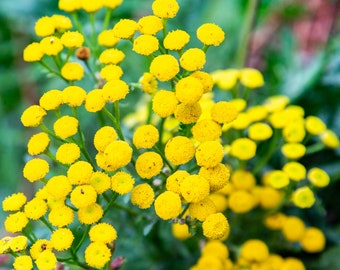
(295, 44)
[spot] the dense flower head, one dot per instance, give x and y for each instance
(90, 214)
(200, 210)
(148, 82)
(260, 131)
(103, 137)
(46, 260)
(15, 222)
(69, 5)
(111, 72)
(303, 197)
(164, 67)
(206, 130)
(149, 164)
(179, 150)
(150, 25)
(145, 136)
(35, 208)
(164, 103)
(62, 239)
(106, 38)
(209, 154)
(73, 96)
(14, 202)
(125, 28)
(193, 59)
(122, 182)
(210, 34)
(318, 177)
(97, 254)
(145, 44)
(217, 176)
(293, 228)
(100, 181)
(118, 154)
(51, 45)
(23, 262)
(293, 150)
(243, 148)
(223, 112)
(174, 180)
(176, 40)
(241, 201)
(32, 116)
(168, 205)
(72, 39)
(38, 143)
(80, 172)
(35, 169)
(142, 196)
(33, 52)
(103, 232)
(180, 231)
(39, 246)
(94, 100)
(254, 250)
(251, 78)
(242, 179)
(61, 216)
(51, 100)
(112, 4)
(61, 22)
(194, 188)
(313, 240)
(189, 90)
(44, 26)
(165, 8)
(83, 196)
(188, 113)
(66, 126)
(216, 226)
(58, 186)
(115, 90)
(111, 56)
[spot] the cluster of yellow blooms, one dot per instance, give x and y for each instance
(186, 155)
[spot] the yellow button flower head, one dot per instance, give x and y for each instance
(106, 38)
(122, 182)
(100, 181)
(176, 40)
(61, 216)
(251, 78)
(90, 214)
(97, 254)
(209, 154)
(168, 205)
(164, 67)
(62, 239)
(275, 221)
(277, 179)
(69, 5)
(115, 90)
(188, 113)
(72, 71)
(32, 116)
(35, 169)
(51, 45)
(118, 154)
(314, 125)
(83, 196)
(66, 126)
(295, 170)
(242, 179)
(142, 196)
(51, 100)
(180, 231)
(148, 82)
(294, 132)
(293, 150)
(293, 228)
(111, 72)
(194, 188)
(260, 131)
(254, 250)
(242, 121)
(205, 78)
(145, 136)
(206, 130)
(164, 103)
(276, 103)
(125, 29)
(225, 79)
(94, 101)
(257, 113)
(174, 181)
(68, 153)
(103, 137)
(15, 222)
(38, 143)
(46, 260)
(193, 59)
(61, 22)
(150, 25)
(270, 197)
(33, 52)
(216, 248)
(330, 139)
(210, 34)
(293, 263)
(179, 150)
(149, 164)
(58, 186)
(223, 112)
(189, 90)
(145, 44)
(14, 202)
(72, 39)
(243, 148)
(80, 172)
(111, 56)
(103, 232)
(241, 201)
(23, 262)
(217, 176)
(73, 96)
(318, 177)
(91, 6)
(202, 209)
(35, 208)
(313, 240)
(216, 226)
(44, 27)
(5, 244)
(165, 8)
(39, 246)
(112, 4)
(303, 197)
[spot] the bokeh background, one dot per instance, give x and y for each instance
(295, 44)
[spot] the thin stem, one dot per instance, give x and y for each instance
(315, 148)
(87, 228)
(159, 151)
(48, 225)
(49, 69)
(107, 18)
(110, 201)
(184, 210)
(49, 132)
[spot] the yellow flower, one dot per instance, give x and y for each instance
(164, 103)
(180, 231)
(97, 254)
(18, 243)
(115, 90)
(225, 79)
(72, 71)
(69, 5)
(216, 226)
(294, 132)
(241, 201)
(111, 72)
(243, 148)
(33, 52)
(14, 202)
(277, 179)
(125, 29)
(122, 183)
(145, 44)
(168, 205)
(112, 4)
(106, 38)
(38, 143)
(276, 103)
(73, 96)
(91, 6)
(189, 90)
(66, 126)
(103, 232)
(179, 150)
(61, 216)
(35, 208)
(103, 137)
(205, 78)
(223, 112)
(164, 67)
(61, 22)
(303, 197)
(217, 176)
(293, 228)
(210, 34)
(32, 116)
(295, 170)
(257, 113)
(149, 83)
(220, 201)
(260, 131)
(174, 181)
(176, 40)
(150, 25)
(330, 139)
(62, 239)
(194, 188)
(83, 196)
(318, 177)
(209, 154)
(118, 154)
(193, 59)
(313, 240)
(270, 197)
(275, 221)
(314, 125)
(149, 164)
(188, 113)
(142, 196)
(254, 250)
(44, 26)
(165, 8)
(200, 210)
(90, 214)
(23, 262)
(100, 181)
(68, 153)
(58, 186)
(15, 222)
(145, 136)
(46, 260)
(72, 39)
(111, 56)
(216, 248)
(206, 130)
(51, 45)
(51, 100)
(292, 263)
(293, 150)
(35, 169)
(39, 246)
(242, 179)
(251, 78)
(5, 244)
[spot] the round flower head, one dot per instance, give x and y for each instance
(205, 78)
(15, 222)
(168, 205)
(32, 116)
(97, 254)
(33, 52)
(145, 44)
(251, 78)
(145, 136)
(111, 56)
(241, 201)
(216, 226)
(62, 239)
(125, 29)
(72, 39)
(148, 82)
(14, 202)
(242, 179)
(193, 59)
(69, 5)
(90, 214)
(243, 148)
(39, 246)
(225, 79)
(188, 113)
(217, 176)
(210, 34)
(142, 196)
(44, 26)
(313, 240)
(118, 154)
(223, 112)
(122, 182)
(35, 169)
(216, 248)
(164, 103)
(83, 196)
(72, 71)
(150, 25)
(260, 132)
(165, 8)
(293, 228)
(275, 221)
(73, 96)
(106, 38)
(254, 250)
(180, 231)
(35, 208)
(277, 179)
(269, 197)
(295, 170)
(103, 232)
(38, 143)
(293, 263)
(294, 132)
(189, 90)
(194, 188)
(61, 216)
(149, 164)
(276, 103)
(23, 262)
(51, 100)
(257, 113)
(58, 186)
(111, 72)
(179, 150)
(176, 40)
(112, 4)
(242, 121)
(209, 154)
(330, 139)
(206, 130)
(318, 177)
(293, 150)
(46, 260)
(100, 181)
(91, 6)
(68, 153)
(61, 22)
(303, 197)
(164, 67)
(314, 125)
(103, 137)
(115, 90)
(94, 101)
(174, 181)
(80, 173)
(66, 126)
(5, 244)
(202, 209)
(51, 45)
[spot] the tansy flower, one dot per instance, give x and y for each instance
(69, 5)
(39, 246)
(276, 103)
(46, 260)
(91, 6)
(269, 197)
(165, 8)
(62, 239)
(313, 240)
(80, 172)
(210, 34)
(115, 90)
(209, 154)
(90, 214)
(83, 196)
(66, 126)
(242, 179)
(189, 90)
(257, 113)
(180, 231)
(61, 216)
(149, 25)
(142, 196)
(241, 201)
(223, 112)
(164, 103)
(72, 71)
(14, 202)
(23, 262)
(174, 181)
(35, 208)
(15, 222)
(145, 136)
(168, 205)
(206, 130)
(251, 78)
(103, 137)
(118, 154)
(111, 72)
(97, 254)
(303, 197)
(51, 100)
(94, 101)
(58, 186)
(73, 95)
(112, 4)
(243, 148)
(33, 52)
(275, 221)
(122, 182)
(205, 78)
(295, 170)
(217, 176)
(217, 248)
(293, 228)
(193, 59)
(179, 150)
(293, 263)
(314, 125)
(176, 40)
(260, 131)
(68, 153)
(225, 79)
(35, 169)
(318, 177)
(106, 38)
(32, 116)
(294, 132)
(145, 44)
(111, 56)
(194, 188)
(277, 179)
(149, 164)
(61, 22)
(51, 45)
(125, 29)
(330, 139)
(44, 26)
(72, 39)
(242, 121)
(164, 67)
(200, 210)
(216, 226)
(254, 250)
(5, 244)
(103, 232)
(188, 113)
(293, 150)
(100, 181)
(38, 143)
(148, 82)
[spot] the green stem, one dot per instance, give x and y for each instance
(161, 131)
(110, 201)
(159, 151)
(184, 210)
(69, 54)
(148, 120)
(87, 229)
(312, 149)
(49, 69)
(107, 18)
(49, 132)
(115, 123)
(48, 225)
